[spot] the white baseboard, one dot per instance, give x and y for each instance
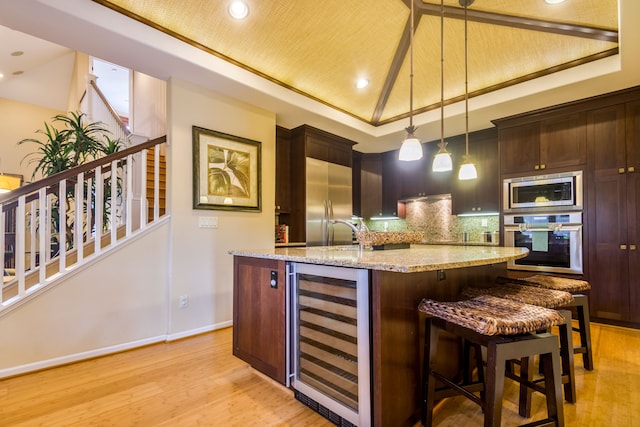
(77, 357)
(71, 358)
(209, 328)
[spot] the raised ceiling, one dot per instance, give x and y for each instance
(319, 49)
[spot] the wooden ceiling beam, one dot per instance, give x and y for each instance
(521, 22)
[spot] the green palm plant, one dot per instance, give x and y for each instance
(72, 143)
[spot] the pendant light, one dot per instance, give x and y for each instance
(411, 148)
(442, 160)
(467, 169)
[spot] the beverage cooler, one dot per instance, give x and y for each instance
(331, 341)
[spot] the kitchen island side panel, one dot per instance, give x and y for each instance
(397, 334)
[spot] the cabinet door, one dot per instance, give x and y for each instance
(259, 315)
(283, 170)
(371, 185)
(633, 209)
(391, 183)
(482, 194)
(519, 149)
(563, 141)
(606, 219)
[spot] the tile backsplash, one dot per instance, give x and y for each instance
(433, 216)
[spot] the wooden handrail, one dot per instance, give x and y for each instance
(52, 180)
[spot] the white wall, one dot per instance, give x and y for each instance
(116, 303)
(19, 121)
(201, 267)
(130, 297)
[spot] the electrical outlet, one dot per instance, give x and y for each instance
(484, 222)
(184, 301)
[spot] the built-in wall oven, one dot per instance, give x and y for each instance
(554, 241)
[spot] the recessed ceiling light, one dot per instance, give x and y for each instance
(362, 83)
(553, 1)
(238, 10)
(1, 75)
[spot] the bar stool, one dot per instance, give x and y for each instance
(505, 329)
(547, 298)
(580, 302)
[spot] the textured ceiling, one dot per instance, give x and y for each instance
(319, 49)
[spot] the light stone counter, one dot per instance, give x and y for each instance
(418, 258)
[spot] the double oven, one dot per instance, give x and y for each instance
(544, 214)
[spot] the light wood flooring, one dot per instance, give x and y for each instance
(197, 382)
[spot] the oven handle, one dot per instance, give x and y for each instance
(551, 227)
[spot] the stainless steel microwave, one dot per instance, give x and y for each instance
(543, 192)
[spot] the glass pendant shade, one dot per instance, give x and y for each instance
(411, 149)
(467, 170)
(442, 160)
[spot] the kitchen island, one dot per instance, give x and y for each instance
(265, 313)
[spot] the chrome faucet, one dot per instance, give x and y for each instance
(362, 226)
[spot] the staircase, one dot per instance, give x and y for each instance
(152, 185)
(92, 221)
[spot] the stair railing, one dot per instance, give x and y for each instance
(56, 224)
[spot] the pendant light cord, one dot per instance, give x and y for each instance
(466, 81)
(442, 72)
(410, 129)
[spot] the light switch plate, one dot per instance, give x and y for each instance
(208, 222)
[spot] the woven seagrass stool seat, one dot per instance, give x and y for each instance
(547, 298)
(507, 330)
(580, 302)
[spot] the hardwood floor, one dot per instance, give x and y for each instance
(196, 381)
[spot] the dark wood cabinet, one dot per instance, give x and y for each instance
(370, 185)
(391, 183)
(479, 195)
(613, 211)
(283, 170)
(551, 142)
(259, 321)
(307, 141)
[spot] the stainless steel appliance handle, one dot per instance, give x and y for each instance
(551, 227)
(331, 234)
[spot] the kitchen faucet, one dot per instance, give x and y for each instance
(361, 227)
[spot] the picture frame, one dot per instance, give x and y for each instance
(226, 171)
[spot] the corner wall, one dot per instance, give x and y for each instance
(201, 267)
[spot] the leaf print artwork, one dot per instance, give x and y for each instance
(228, 172)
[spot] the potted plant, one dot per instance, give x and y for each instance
(70, 144)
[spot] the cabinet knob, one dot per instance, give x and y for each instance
(623, 247)
(620, 170)
(631, 169)
(536, 167)
(543, 166)
(632, 247)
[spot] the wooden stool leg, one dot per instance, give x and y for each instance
(431, 335)
(553, 389)
(582, 306)
(494, 385)
(526, 373)
(566, 356)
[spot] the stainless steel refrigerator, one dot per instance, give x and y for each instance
(328, 192)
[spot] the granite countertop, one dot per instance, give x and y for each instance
(417, 258)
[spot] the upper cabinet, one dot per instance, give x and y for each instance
(307, 141)
(283, 170)
(480, 195)
(537, 143)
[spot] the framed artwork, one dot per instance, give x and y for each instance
(226, 171)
